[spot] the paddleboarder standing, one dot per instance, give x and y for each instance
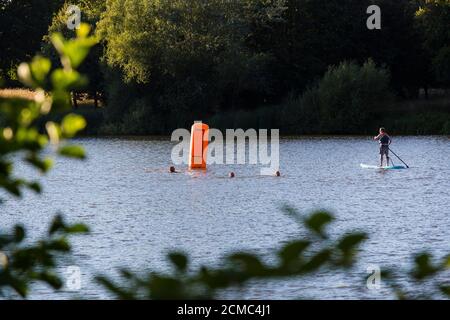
(385, 141)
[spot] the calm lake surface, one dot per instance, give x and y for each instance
(138, 212)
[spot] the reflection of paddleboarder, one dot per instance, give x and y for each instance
(385, 142)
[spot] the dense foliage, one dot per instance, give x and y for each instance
(163, 64)
(346, 99)
(177, 61)
(181, 60)
(433, 20)
(23, 24)
(22, 262)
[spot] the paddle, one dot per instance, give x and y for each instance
(398, 157)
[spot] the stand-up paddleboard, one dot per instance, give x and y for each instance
(366, 166)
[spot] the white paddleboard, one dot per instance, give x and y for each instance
(367, 166)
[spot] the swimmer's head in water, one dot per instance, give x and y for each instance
(172, 169)
(232, 175)
(278, 174)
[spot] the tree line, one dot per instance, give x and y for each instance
(244, 63)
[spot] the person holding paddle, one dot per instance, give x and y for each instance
(385, 142)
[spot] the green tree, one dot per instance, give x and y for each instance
(311, 36)
(397, 46)
(346, 99)
(433, 19)
(184, 57)
(316, 34)
(23, 24)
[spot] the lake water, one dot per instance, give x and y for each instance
(138, 212)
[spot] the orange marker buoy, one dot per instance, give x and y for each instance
(199, 145)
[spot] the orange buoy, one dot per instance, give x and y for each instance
(199, 145)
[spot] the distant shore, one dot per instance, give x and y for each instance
(403, 117)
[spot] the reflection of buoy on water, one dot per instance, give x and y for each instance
(199, 145)
(278, 174)
(172, 169)
(232, 175)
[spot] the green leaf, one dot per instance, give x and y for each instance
(19, 234)
(19, 285)
(446, 262)
(43, 165)
(78, 50)
(40, 67)
(348, 245)
(424, 267)
(127, 274)
(51, 279)
(249, 263)
(165, 288)
(72, 124)
(13, 187)
(5, 168)
(35, 186)
(117, 290)
(72, 151)
(67, 80)
(317, 261)
(74, 51)
(57, 40)
(56, 225)
(77, 228)
(293, 250)
(445, 289)
(83, 30)
(60, 245)
(349, 242)
(179, 260)
(318, 221)
(61, 100)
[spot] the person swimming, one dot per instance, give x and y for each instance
(385, 141)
